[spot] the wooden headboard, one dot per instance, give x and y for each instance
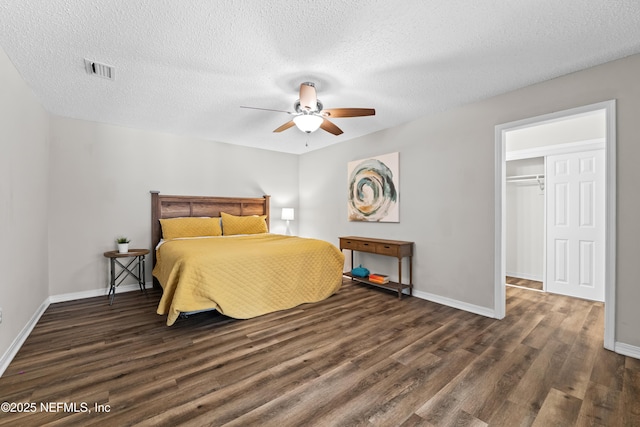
(180, 206)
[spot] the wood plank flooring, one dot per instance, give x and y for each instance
(524, 283)
(360, 358)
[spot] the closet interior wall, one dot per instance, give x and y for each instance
(525, 219)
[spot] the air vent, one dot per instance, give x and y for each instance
(101, 70)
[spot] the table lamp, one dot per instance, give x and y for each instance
(288, 215)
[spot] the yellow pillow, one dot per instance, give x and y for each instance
(232, 224)
(173, 228)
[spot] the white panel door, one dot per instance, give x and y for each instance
(575, 224)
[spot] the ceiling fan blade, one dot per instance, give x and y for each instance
(330, 127)
(348, 112)
(285, 126)
(266, 109)
(308, 97)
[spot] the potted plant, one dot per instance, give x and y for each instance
(123, 245)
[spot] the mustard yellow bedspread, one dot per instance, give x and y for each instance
(245, 276)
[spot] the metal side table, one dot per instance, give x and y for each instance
(134, 268)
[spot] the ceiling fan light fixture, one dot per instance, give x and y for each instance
(309, 119)
(308, 122)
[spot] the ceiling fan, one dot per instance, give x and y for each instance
(309, 113)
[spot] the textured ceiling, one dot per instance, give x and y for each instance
(185, 67)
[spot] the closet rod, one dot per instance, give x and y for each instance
(518, 178)
(528, 178)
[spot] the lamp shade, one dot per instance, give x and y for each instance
(308, 122)
(287, 214)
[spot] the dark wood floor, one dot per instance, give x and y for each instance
(524, 283)
(362, 357)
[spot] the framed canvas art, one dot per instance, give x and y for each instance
(373, 189)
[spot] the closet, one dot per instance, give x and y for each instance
(554, 204)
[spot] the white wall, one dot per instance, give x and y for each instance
(24, 165)
(447, 192)
(525, 221)
(446, 202)
(100, 180)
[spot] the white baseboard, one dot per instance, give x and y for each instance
(95, 293)
(627, 350)
(11, 352)
(460, 305)
(524, 276)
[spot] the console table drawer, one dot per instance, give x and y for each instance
(360, 246)
(379, 246)
(383, 249)
(366, 247)
(354, 245)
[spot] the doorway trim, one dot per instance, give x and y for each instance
(610, 209)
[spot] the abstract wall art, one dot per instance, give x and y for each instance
(373, 189)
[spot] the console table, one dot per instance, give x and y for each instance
(394, 248)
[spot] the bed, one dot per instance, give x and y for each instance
(244, 272)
